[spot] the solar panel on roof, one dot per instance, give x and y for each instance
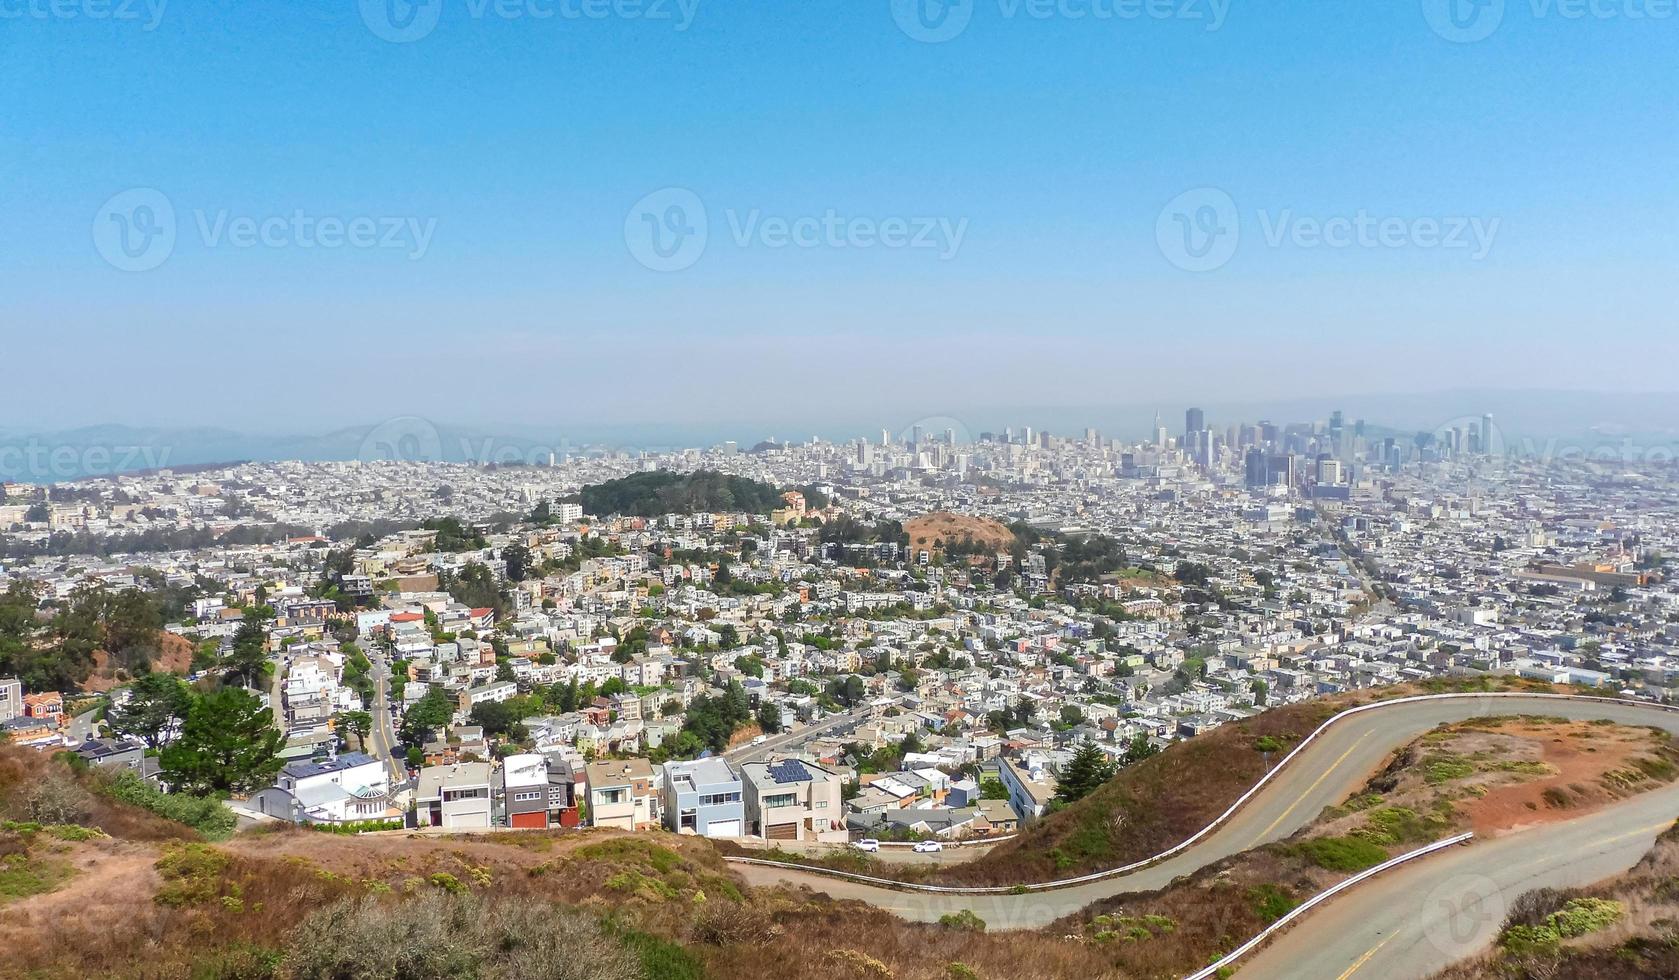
(790, 771)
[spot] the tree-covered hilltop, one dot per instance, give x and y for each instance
(663, 492)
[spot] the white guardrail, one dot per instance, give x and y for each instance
(1319, 899)
(1204, 831)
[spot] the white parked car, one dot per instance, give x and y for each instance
(867, 844)
(928, 847)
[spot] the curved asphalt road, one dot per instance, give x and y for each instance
(1390, 907)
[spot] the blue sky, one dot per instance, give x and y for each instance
(521, 148)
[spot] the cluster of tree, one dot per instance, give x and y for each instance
(213, 743)
(453, 536)
(846, 529)
(340, 562)
(1018, 715)
(57, 653)
(662, 492)
(1090, 768)
(475, 586)
(148, 541)
(710, 722)
(1086, 558)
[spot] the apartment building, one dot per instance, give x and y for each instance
(11, 698)
(793, 800)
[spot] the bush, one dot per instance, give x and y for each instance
(1270, 902)
(963, 921)
(437, 936)
(204, 814)
(192, 875)
(1347, 854)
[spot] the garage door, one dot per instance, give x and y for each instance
(782, 831)
(535, 820)
(723, 828)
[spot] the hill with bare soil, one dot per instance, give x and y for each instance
(937, 530)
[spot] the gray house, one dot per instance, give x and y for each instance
(704, 798)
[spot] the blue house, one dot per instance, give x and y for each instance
(704, 798)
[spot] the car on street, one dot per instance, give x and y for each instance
(867, 844)
(928, 847)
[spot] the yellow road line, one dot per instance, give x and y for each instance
(1321, 777)
(1365, 958)
(1632, 833)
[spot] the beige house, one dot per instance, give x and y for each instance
(793, 800)
(621, 794)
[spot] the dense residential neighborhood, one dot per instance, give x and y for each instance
(914, 637)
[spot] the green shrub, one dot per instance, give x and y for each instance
(192, 875)
(1445, 768)
(962, 921)
(1584, 915)
(204, 814)
(1270, 902)
(1347, 854)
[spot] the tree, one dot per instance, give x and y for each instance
(518, 559)
(249, 657)
(228, 744)
(155, 703)
(1261, 691)
(357, 723)
(1088, 769)
(1139, 749)
(769, 718)
(993, 789)
(426, 716)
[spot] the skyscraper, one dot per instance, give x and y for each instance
(1194, 420)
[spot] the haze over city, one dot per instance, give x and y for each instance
(842, 489)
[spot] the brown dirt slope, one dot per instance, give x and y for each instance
(933, 530)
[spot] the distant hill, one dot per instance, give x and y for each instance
(663, 492)
(941, 529)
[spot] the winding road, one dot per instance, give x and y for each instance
(1406, 923)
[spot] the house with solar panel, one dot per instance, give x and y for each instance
(793, 800)
(704, 798)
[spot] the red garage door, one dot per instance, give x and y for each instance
(530, 821)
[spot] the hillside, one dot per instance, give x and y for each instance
(663, 492)
(941, 529)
